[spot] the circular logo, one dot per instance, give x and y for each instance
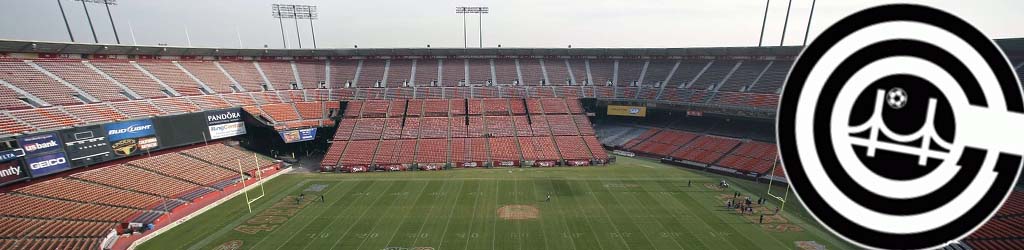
(634, 110)
(890, 127)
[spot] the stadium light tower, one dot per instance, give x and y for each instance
(809, 17)
(107, 4)
(785, 23)
(472, 10)
(763, 22)
(307, 12)
(282, 11)
(66, 25)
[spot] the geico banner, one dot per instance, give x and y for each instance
(47, 164)
(635, 111)
(39, 143)
(306, 134)
(129, 138)
(11, 171)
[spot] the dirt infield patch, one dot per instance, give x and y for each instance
(772, 222)
(809, 245)
(518, 212)
(713, 187)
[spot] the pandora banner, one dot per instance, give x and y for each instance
(225, 123)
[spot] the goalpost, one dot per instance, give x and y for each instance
(259, 180)
(771, 179)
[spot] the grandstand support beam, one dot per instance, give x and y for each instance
(66, 25)
(809, 17)
(785, 23)
(107, 3)
(480, 25)
(89, 19)
(763, 22)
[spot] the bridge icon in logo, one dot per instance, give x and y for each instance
(876, 127)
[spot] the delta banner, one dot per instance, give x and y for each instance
(225, 123)
(39, 143)
(299, 135)
(47, 164)
(131, 137)
(86, 145)
(11, 154)
(634, 111)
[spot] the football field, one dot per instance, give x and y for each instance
(632, 205)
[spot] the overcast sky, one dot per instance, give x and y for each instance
(511, 23)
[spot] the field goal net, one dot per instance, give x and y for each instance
(259, 181)
(771, 179)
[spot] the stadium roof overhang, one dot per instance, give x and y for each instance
(1013, 45)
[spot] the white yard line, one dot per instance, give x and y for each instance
(450, 213)
(377, 223)
(585, 217)
(472, 220)
(168, 227)
(303, 227)
(349, 229)
(400, 223)
(605, 212)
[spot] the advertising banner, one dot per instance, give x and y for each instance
(11, 171)
(634, 111)
(11, 154)
(47, 164)
(306, 134)
(86, 145)
(39, 143)
(131, 137)
(225, 123)
(178, 130)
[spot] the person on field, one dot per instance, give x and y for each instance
(548, 198)
(322, 198)
(761, 221)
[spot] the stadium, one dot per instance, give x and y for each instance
(109, 146)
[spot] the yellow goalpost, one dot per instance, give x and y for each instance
(771, 179)
(259, 180)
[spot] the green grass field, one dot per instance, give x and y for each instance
(634, 204)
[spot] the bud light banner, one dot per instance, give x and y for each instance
(39, 143)
(11, 171)
(47, 164)
(131, 137)
(298, 135)
(225, 123)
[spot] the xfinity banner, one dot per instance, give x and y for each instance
(291, 136)
(225, 123)
(39, 143)
(47, 164)
(131, 137)
(11, 171)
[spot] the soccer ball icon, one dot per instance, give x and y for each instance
(896, 98)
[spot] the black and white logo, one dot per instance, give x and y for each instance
(899, 127)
